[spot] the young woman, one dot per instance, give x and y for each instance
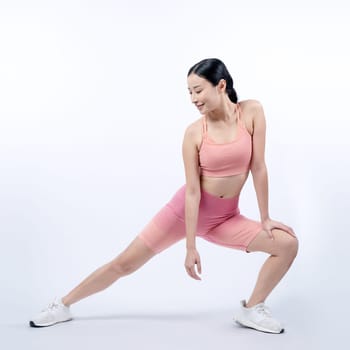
(219, 150)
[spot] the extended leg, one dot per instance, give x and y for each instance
(132, 258)
(160, 233)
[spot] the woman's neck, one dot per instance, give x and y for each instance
(226, 112)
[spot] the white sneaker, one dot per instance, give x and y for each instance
(54, 313)
(258, 317)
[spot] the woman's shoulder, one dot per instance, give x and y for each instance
(195, 125)
(251, 109)
(250, 105)
(194, 131)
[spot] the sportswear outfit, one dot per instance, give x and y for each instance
(219, 221)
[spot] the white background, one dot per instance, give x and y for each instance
(93, 107)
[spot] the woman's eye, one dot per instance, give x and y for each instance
(196, 92)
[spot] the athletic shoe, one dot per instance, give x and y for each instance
(55, 312)
(258, 317)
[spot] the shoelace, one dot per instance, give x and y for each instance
(263, 309)
(51, 306)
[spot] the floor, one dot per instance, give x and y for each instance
(307, 327)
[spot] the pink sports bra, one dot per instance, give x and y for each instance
(226, 159)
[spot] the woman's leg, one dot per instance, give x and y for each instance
(283, 250)
(162, 231)
(165, 229)
(132, 258)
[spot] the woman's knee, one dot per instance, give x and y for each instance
(122, 267)
(289, 245)
(131, 259)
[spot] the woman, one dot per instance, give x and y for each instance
(219, 149)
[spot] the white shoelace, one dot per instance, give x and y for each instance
(51, 307)
(263, 310)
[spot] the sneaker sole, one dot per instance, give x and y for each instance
(32, 324)
(257, 327)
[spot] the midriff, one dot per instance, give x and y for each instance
(224, 187)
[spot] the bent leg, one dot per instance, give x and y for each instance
(283, 250)
(132, 258)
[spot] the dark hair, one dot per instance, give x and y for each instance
(212, 69)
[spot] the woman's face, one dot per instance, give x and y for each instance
(204, 95)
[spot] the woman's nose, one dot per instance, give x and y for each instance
(193, 98)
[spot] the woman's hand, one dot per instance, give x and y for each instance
(192, 259)
(270, 224)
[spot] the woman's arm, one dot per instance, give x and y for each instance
(193, 196)
(258, 166)
(259, 172)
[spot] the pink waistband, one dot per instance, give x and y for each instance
(209, 203)
(220, 205)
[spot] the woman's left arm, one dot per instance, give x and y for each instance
(259, 171)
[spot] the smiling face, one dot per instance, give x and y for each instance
(204, 95)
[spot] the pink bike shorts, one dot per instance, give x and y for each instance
(219, 221)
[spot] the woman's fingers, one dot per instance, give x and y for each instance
(287, 229)
(270, 234)
(193, 273)
(269, 225)
(291, 231)
(191, 270)
(193, 259)
(199, 266)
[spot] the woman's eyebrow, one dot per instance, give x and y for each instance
(195, 87)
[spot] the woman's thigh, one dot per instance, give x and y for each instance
(235, 232)
(164, 230)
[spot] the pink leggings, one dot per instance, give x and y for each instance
(219, 221)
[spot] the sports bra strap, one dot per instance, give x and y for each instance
(238, 120)
(204, 126)
(239, 111)
(239, 114)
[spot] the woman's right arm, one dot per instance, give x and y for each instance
(192, 199)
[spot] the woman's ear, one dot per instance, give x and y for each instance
(222, 85)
